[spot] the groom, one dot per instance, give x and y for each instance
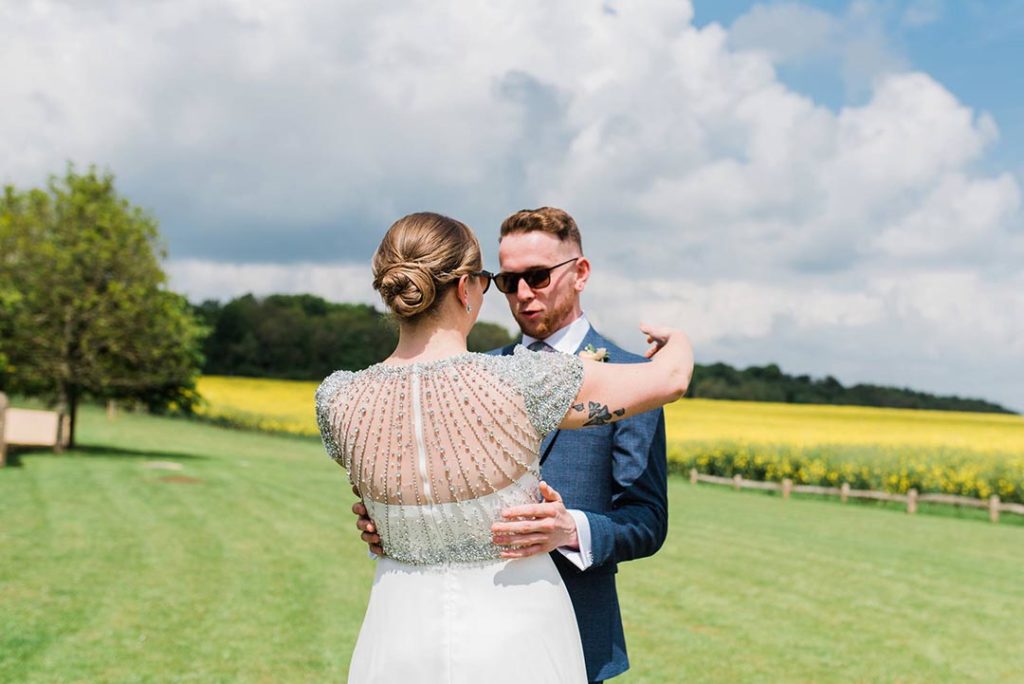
(612, 478)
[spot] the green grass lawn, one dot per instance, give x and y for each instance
(244, 566)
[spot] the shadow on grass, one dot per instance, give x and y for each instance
(16, 454)
(149, 454)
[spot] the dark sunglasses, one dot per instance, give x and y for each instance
(487, 276)
(536, 278)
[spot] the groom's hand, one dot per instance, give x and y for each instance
(366, 526)
(536, 528)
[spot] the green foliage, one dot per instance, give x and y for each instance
(292, 336)
(487, 336)
(769, 383)
(304, 337)
(85, 304)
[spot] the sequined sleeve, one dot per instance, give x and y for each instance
(328, 413)
(549, 381)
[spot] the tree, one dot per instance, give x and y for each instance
(84, 303)
(487, 336)
(305, 337)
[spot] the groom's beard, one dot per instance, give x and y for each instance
(548, 321)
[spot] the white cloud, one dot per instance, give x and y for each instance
(724, 308)
(276, 141)
(923, 12)
(951, 331)
(957, 216)
(200, 279)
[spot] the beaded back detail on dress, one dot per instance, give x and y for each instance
(438, 449)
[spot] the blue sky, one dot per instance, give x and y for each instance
(974, 48)
(832, 186)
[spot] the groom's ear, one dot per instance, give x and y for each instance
(582, 273)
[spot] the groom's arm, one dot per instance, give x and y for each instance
(637, 523)
(633, 527)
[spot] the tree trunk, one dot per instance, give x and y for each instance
(72, 414)
(67, 403)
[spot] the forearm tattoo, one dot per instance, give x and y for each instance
(598, 413)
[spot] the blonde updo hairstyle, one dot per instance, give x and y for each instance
(420, 258)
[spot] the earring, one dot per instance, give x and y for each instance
(469, 308)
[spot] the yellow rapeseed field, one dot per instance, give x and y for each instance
(703, 420)
(893, 450)
(272, 405)
(972, 454)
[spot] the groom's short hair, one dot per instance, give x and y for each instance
(545, 219)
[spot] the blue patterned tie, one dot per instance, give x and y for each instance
(540, 346)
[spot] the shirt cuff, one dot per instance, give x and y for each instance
(584, 557)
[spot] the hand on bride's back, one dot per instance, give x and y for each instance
(366, 526)
(536, 528)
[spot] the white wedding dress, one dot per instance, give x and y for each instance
(437, 450)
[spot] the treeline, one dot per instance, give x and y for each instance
(769, 383)
(304, 337)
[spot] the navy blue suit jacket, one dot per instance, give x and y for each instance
(616, 475)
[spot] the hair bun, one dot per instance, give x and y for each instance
(419, 261)
(408, 288)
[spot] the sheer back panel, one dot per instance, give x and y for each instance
(438, 449)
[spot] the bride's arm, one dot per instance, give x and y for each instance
(612, 391)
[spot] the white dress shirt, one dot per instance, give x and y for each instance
(567, 340)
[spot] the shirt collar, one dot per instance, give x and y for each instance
(566, 340)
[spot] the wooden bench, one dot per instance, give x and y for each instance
(28, 427)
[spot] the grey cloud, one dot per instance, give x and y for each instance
(543, 134)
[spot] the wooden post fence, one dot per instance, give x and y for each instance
(911, 499)
(3, 442)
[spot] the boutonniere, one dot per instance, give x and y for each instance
(590, 353)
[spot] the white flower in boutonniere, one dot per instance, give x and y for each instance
(591, 354)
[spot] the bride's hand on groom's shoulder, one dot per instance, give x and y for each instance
(536, 528)
(366, 526)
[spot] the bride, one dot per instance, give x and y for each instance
(438, 441)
